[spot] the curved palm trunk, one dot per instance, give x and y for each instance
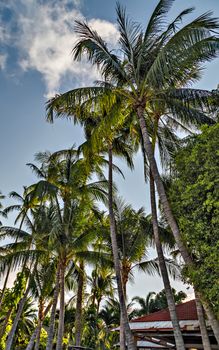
(30, 345)
(128, 334)
(35, 333)
(49, 343)
(59, 344)
(37, 344)
(169, 295)
(12, 332)
(168, 212)
(78, 313)
(40, 323)
(202, 325)
(212, 319)
(160, 187)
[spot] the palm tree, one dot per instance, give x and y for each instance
(155, 302)
(146, 304)
(156, 59)
(65, 180)
(108, 141)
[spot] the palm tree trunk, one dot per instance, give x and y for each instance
(37, 344)
(35, 333)
(168, 212)
(211, 317)
(202, 324)
(49, 343)
(122, 345)
(169, 295)
(160, 187)
(79, 302)
(16, 320)
(128, 334)
(62, 308)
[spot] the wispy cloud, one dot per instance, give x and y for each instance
(44, 38)
(3, 58)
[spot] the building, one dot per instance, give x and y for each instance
(155, 331)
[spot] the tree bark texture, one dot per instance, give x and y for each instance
(79, 303)
(168, 213)
(169, 295)
(128, 334)
(202, 324)
(59, 344)
(49, 343)
(34, 334)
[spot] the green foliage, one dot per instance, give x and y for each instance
(155, 302)
(194, 193)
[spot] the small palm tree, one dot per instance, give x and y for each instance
(146, 304)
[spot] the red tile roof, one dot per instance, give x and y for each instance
(185, 311)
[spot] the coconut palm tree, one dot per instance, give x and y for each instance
(157, 59)
(65, 180)
(146, 304)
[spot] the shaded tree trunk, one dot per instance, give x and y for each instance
(121, 334)
(202, 324)
(59, 343)
(168, 211)
(34, 334)
(211, 317)
(12, 332)
(160, 187)
(128, 334)
(37, 344)
(49, 343)
(122, 341)
(169, 295)
(79, 302)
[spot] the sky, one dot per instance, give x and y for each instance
(36, 39)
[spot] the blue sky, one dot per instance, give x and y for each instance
(36, 38)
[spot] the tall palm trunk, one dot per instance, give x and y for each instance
(122, 342)
(40, 323)
(128, 334)
(62, 308)
(202, 324)
(168, 211)
(79, 302)
(211, 317)
(12, 332)
(160, 187)
(169, 295)
(49, 344)
(39, 326)
(37, 344)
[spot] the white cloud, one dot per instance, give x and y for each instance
(3, 58)
(45, 40)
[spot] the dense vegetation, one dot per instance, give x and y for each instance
(194, 192)
(72, 261)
